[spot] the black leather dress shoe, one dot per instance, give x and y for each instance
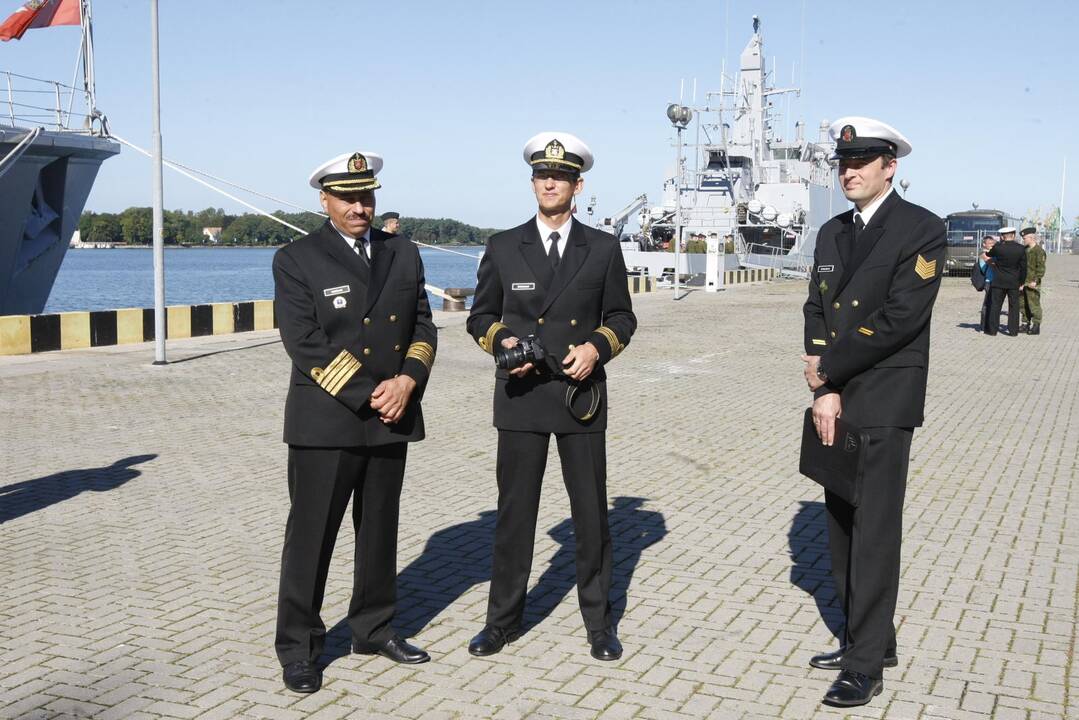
(853, 688)
(605, 645)
(491, 640)
(834, 660)
(395, 649)
(302, 676)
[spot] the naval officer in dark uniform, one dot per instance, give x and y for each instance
(355, 321)
(565, 283)
(1009, 260)
(876, 273)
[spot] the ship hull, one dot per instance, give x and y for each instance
(42, 195)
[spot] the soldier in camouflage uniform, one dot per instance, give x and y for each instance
(1032, 289)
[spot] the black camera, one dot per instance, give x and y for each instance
(527, 350)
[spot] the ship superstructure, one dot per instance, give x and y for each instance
(760, 194)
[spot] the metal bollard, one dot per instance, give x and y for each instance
(455, 300)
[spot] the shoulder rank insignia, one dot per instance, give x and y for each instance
(925, 269)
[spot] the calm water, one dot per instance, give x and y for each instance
(109, 279)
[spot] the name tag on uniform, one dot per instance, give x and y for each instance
(523, 286)
(339, 290)
(826, 268)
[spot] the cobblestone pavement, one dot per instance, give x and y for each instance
(143, 507)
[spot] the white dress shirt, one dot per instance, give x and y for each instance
(364, 241)
(867, 214)
(563, 235)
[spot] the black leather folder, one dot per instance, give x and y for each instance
(837, 467)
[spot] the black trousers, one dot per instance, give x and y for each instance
(996, 303)
(865, 543)
(320, 483)
(522, 459)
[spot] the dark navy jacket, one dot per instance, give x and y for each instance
(348, 327)
(869, 309)
(586, 300)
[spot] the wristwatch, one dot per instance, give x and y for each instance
(821, 375)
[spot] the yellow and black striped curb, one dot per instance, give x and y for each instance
(748, 275)
(22, 334)
(641, 283)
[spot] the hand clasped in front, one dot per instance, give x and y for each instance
(390, 398)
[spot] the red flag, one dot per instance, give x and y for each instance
(39, 14)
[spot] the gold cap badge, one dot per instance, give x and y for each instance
(357, 163)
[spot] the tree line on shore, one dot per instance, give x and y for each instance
(134, 226)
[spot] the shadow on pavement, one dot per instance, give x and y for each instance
(454, 560)
(29, 496)
(200, 356)
(457, 558)
(812, 570)
(633, 530)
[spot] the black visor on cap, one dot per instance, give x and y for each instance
(864, 147)
(569, 162)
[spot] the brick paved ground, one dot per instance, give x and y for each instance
(142, 512)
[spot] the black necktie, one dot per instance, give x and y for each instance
(361, 250)
(552, 252)
(859, 226)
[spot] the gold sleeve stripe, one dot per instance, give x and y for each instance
(336, 365)
(333, 384)
(338, 372)
(487, 342)
(343, 378)
(612, 339)
(926, 269)
(423, 352)
(818, 341)
(865, 331)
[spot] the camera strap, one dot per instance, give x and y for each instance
(571, 394)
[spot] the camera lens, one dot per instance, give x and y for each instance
(508, 359)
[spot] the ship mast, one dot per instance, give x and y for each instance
(86, 20)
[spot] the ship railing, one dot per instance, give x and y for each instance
(760, 255)
(797, 265)
(35, 102)
(763, 256)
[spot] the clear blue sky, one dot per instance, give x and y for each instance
(262, 92)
